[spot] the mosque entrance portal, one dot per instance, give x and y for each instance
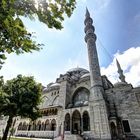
(76, 122)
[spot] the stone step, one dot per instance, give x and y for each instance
(130, 136)
(70, 137)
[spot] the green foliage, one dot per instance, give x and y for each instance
(20, 96)
(14, 37)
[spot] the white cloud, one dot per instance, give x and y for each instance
(130, 63)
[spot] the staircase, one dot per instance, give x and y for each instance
(73, 137)
(131, 136)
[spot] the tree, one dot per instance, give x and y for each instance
(14, 37)
(12, 131)
(21, 96)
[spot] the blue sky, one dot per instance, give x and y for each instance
(117, 26)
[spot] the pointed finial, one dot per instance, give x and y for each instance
(87, 12)
(118, 64)
(120, 71)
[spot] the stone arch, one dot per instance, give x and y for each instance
(34, 126)
(86, 121)
(50, 112)
(38, 127)
(43, 126)
(55, 100)
(20, 126)
(53, 125)
(43, 112)
(46, 112)
(24, 126)
(80, 97)
(30, 126)
(67, 122)
(47, 125)
(76, 122)
(53, 112)
(45, 101)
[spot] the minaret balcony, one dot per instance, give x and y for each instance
(90, 36)
(89, 27)
(88, 20)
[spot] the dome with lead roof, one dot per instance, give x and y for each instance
(78, 70)
(85, 75)
(55, 85)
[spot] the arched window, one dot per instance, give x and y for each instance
(20, 126)
(86, 121)
(43, 113)
(47, 125)
(46, 113)
(55, 111)
(53, 125)
(126, 126)
(81, 97)
(113, 130)
(50, 112)
(38, 126)
(67, 122)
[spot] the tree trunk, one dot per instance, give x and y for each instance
(9, 123)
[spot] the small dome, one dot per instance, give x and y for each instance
(45, 89)
(78, 69)
(55, 85)
(85, 75)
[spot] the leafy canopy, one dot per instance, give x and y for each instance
(14, 36)
(21, 96)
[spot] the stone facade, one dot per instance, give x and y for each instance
(84, 104)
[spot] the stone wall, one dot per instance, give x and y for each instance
(127, 105)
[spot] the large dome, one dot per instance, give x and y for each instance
(78, 70)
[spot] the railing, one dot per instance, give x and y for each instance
(37, 134)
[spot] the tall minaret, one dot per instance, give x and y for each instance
(120, 71)
(98, 111)
(90, 39)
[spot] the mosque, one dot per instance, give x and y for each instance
(83, 105)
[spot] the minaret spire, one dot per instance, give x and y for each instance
(120, 71)
(90, 39)
(87, 12)
(99, 118)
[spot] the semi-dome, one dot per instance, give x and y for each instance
(45, 89)
(55, 85)
(85, 75)
(78, 69)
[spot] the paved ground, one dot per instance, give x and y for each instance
(26, 138)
